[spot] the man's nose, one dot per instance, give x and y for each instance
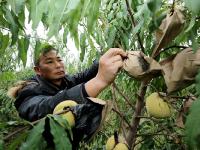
(58, 64)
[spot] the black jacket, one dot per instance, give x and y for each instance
(39, 97)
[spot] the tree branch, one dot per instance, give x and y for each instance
(134, 24)
(131, 137)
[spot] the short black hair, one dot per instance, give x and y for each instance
(42, 51)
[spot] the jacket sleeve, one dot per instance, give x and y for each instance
(86, 75)
(34, 107)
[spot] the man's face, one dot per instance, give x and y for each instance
(51, 66)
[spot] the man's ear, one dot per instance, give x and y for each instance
(37, 70)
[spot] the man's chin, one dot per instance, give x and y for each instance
(58, 77)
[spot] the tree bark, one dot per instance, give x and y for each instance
(131, 136)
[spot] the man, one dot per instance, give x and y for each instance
(51, 85)
(39, 96)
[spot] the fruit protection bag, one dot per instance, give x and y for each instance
(170, 27)
(179, 70)
(89, 118)
(140, 66)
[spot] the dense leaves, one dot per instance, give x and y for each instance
(95, 26)
(35, 139)
(192, 126)
(48, 130)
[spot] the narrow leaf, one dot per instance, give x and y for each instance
(18, 141)
(23, 45)
(63, 123)
(21, 18)
(110, 38)
(58, 9)
(192, 22)
(4, 43)
(35, 138)
(1, 144)
(12, 25)
(61, 139)
(82, 46)
(93, 14)
(16, 5)
(192, 129)
(37, 50)
(193, 5)
(65, 35)
(38, 7)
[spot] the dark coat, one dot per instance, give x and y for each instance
(39, 97)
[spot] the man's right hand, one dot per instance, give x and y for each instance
(109, 65)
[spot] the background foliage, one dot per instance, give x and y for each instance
(95, 26)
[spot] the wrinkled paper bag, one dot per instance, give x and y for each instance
(170, 27)
(140, 66)
(179, 70)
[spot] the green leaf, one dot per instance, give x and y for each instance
(60, 137)
(91, 43)
(38, 7)
(198, 83)
(110, 36)
(193, 5)
(3, 21)
(1, 144)
(37, 49)
(125, 40)
(35, 139)
(138, 27)
(192, 22)
(93, 12)
(66, 30)
(16, 5)
(63, 123)
(154, 5)
(82, 46)
(58, 11)
(23, 45)
(192, 126)
(12, 25)
(21, 18)
(18, 141)
(4, 42)
(73, 20)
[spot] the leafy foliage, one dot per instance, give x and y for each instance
(192, 127)
(48, 129)
(35, 139)
(95, 26)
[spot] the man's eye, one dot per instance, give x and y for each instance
(49, 62)
(60, 60)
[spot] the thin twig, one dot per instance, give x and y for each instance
(116, 106)
(123, 95)
(172, 7)
(30, 125)
(15, 132)
(122, 116)
(174, 46)
(133, 24)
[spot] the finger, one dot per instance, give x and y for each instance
(116, 58)
(118, 64)
(116, 51)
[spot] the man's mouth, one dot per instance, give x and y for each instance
(60, 72)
